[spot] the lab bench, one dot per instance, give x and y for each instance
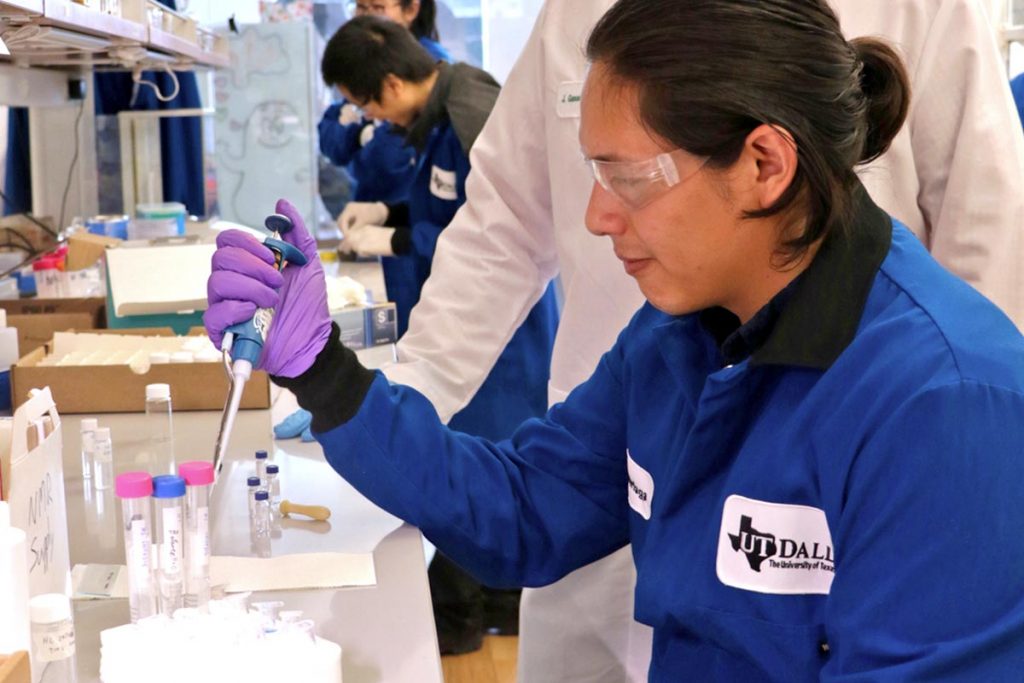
(386, 631)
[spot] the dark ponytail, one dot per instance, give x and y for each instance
(885, 84)
(708, 72)
(424, 25)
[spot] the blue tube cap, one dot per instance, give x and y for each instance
(168, 486)
(272, 469)
(261, 455)
(262, 495)
(253, 481)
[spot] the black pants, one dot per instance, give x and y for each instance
(464, 609)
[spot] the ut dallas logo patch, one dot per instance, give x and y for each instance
(774, 548)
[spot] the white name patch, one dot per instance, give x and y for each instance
(775, 548)
(641, 487)
(567, 106)
(442, 184)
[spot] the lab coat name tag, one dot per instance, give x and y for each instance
(640, 487)
(567, 106)
(442, 184)
(774, 548)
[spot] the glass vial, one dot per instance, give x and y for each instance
(261, 465)
(198, 476)
(88, 426)
(160, 427)
(169, 504)
(134, 489)
(261, 513)
(102, 459)
(273, 484)
(53, 636)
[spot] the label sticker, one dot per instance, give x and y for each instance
(775, 548)
(641, 487)
(567, 105)
(442, 184)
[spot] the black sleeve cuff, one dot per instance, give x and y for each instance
(401, 241)
(398, 215)
(334, 387)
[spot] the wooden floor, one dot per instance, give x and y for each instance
(495, 662)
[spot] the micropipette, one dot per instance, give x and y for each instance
(243, 343)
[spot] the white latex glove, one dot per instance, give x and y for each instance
(358, 214)
(350, 114)
(370, 240)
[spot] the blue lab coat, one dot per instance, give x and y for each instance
(516, 388)
(1017, 87)
(383, 169)
(842, 505)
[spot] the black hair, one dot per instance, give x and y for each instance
(708, 72)
(364, 51)
(424, 25)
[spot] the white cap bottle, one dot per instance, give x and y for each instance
(14, 614)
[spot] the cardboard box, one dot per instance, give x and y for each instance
(85, 249)
(365, 326)
(15, 668)
(117, 388)
(37, 320)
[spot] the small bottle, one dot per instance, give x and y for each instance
(160, 428)
(169, 499)
(261, 465)
(14, 588)
(261, 513)
(53, 636)
(254, 485)
(88, 426)
(273, 484)
(134, 490)
(102, 459)
(198, 476)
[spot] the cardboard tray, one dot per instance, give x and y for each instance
(38, 319)
(117, 389)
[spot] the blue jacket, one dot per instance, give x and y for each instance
(843, 504)
(383, 170)
(516, 388)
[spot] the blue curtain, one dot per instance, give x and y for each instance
(180, 139)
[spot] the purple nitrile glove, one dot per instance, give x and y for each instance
(244, 279)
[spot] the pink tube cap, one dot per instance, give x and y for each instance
(133, 485)
(196, 472)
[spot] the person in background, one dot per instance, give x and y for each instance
(377, 158)
(778, 424)
(379, 67)
(522, 225)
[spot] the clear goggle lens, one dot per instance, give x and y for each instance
(638, 183)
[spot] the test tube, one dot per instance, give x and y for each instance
(169, 496)
(102, 459)
(88, 426)
(198, 476)
(134, 490)
(261, 465)
(273, 484)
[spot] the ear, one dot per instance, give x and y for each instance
(773, 154)
(393, 85)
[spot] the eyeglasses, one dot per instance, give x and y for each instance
(377, 8)
(638, 183)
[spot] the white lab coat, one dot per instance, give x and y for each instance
(955, 175)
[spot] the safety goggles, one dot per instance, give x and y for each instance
(638, 183)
